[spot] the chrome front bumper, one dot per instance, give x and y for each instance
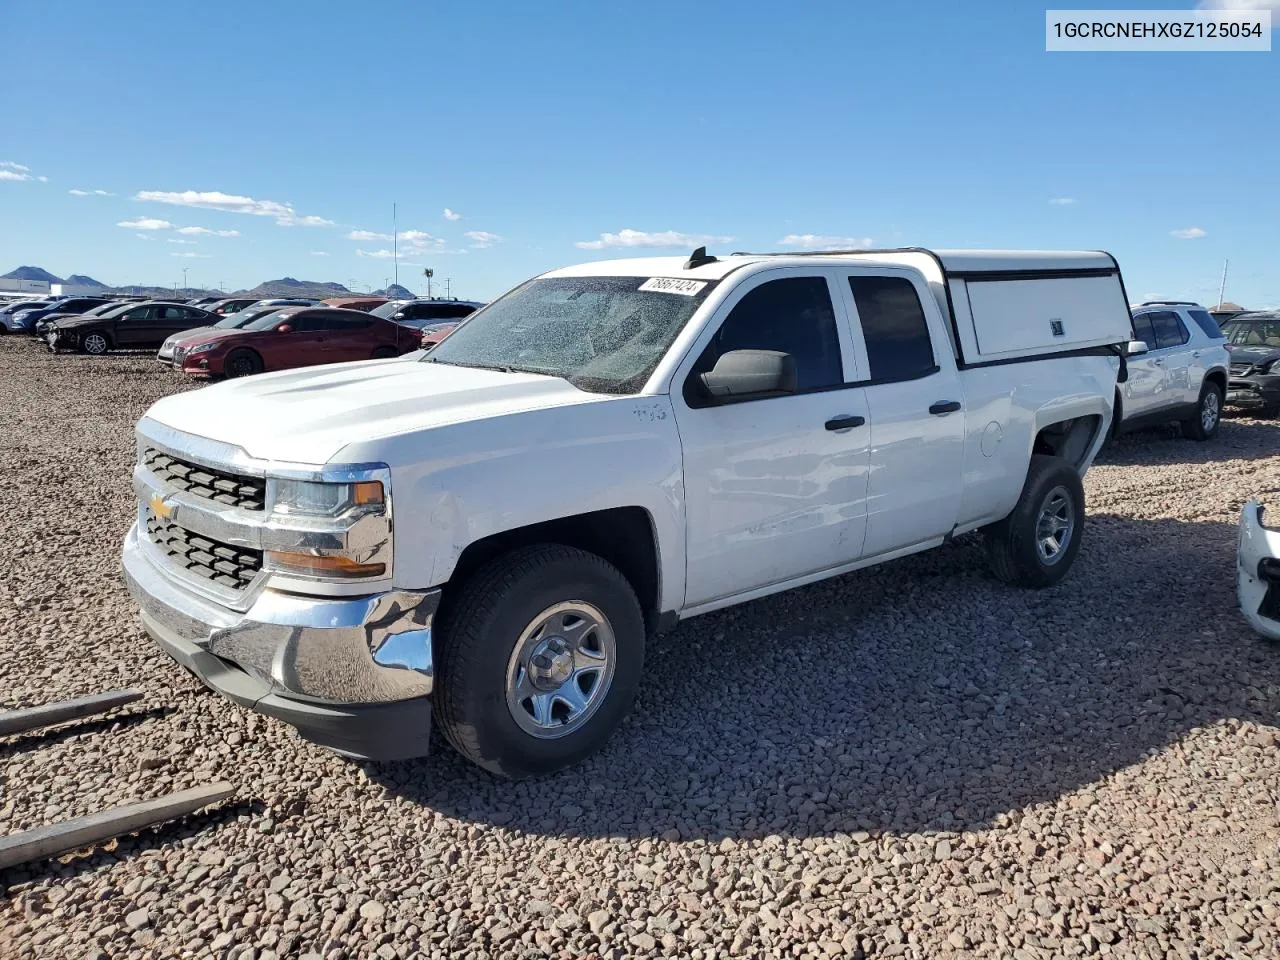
(1258, 572)
(353, 674)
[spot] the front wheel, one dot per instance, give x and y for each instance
(1208, 415)
(242, 363)
(94, 343)
(539, 660)
(1037, 543)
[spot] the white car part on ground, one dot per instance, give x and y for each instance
(1258, 571)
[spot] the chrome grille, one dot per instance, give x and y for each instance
(220, 563)
(248, 493)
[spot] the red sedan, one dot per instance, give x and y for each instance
(296, 337)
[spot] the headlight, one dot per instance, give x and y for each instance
(323, 506)
(313, 499)
(1270, 367)
(202, 348)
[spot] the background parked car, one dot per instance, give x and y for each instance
(355, 303)
(66, 307)
(1182, 374)
(136, 326)
(1254, 342)
(230, 305)
(9, 312)
(173, 348)
(434, 333)
(296, 337)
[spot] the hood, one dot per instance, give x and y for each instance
(1250, 354)
(64, 320)
(199, 335)
(308, 416)
(195, 334)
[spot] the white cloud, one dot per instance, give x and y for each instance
(143, 236)
(172, 240)
(206, 232)
(15, 166)
(192, 256)
(377, 254)
(816, 241)
(641, 238)
(43, 179)
(367, 235)
(1063, 201)
(1190, 233)
(12, 175)
(418, 240)
(450, 215)
(145, 223)
(284, 213)
(90, 193)
(318, 253)
(482, 238)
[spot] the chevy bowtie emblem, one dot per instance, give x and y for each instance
(161, 509)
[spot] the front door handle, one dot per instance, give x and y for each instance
(944, 406)
(844, 423)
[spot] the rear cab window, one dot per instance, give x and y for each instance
(894, 328)
(1204, 320)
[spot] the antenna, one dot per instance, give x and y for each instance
(395, 243)
(1222, 290)
(698, 258)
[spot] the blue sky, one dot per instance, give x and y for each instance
(285, 128)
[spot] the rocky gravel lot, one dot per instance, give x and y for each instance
(912, 761)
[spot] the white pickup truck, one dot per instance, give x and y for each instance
(490, 532)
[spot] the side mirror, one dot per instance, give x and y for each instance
(1136, 347)
(284, 328)
(751, 373)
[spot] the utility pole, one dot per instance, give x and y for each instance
(1222, 290)
(184, 277)
(395, 243)
(448, 287)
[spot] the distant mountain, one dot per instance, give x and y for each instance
(80, 280)
(32, 273)
(289, 287)
(395, 292)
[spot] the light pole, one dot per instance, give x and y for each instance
(184, 277)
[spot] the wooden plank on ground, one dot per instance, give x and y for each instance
(48, 714)
(43, 842)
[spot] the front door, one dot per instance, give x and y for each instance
(775, 487)
(136, 326)
(917, 416)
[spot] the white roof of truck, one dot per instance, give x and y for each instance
(953, 261)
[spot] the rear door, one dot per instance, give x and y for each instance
(349, 338)
(177, 319)
(1144, 390)
(1173, 354)
(916, 410)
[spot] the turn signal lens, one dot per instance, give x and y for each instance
(331, 568)
(366, 492)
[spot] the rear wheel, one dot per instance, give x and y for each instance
(539, 659)
(1208, 416)
(1037, 543)
(242, 363)
(385, 353)
(94, 343)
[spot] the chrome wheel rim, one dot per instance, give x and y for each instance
(95, 343)
(1209, 410)
(560, 670)
(1055, 525)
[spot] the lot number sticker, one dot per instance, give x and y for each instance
(684, 288)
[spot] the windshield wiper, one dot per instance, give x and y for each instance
(501, 368)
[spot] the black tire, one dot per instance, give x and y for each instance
(242, 362)
(1208, 416)
(94, 343)
(1013, 543)
(477, 641)
(385, 353)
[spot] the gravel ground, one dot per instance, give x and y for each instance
(911, 761)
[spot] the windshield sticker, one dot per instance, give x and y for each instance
(684, 288)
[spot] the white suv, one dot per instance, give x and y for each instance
(1177, 366)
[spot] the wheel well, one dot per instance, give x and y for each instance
(623, 535)
(1070, 439)
(1217, 377)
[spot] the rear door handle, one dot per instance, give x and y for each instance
(844, 423)
(1158, 361)
(944, 406)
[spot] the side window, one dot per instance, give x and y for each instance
(307, 324)
(1142, 329)
(1168, 329)
(455, 311)
(347, 324)
(793, 315)
(173, 313)
(142, 313)
(1204, 320)
(894, 327)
